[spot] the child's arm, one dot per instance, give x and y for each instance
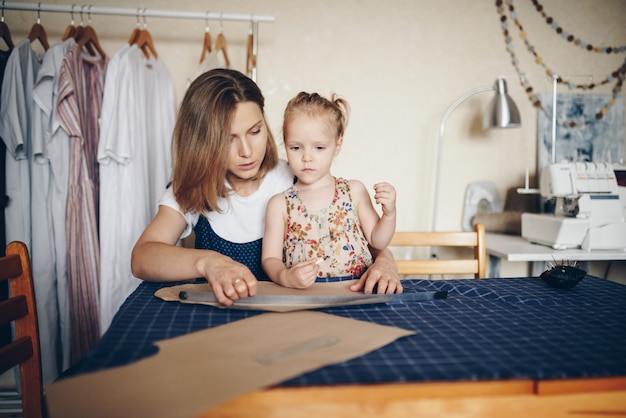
(385, 195)
(378, 230)
(301, 275)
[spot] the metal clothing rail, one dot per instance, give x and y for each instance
(142, 12)
(145, 12)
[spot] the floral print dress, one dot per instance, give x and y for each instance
(333, 234)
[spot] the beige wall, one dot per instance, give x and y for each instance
(400, 64)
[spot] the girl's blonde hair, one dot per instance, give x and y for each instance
(201, 141)
(313, 104)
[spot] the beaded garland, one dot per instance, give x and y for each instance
(617, 75)
(573, 39)
(541, 62)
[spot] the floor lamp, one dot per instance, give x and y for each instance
(501, 113)
(555, 79)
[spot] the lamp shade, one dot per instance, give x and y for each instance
(502, 111)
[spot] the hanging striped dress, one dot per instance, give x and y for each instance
(81, 83)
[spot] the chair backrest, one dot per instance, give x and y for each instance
(475, 239)
(20, 309)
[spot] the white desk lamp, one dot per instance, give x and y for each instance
(501, 113)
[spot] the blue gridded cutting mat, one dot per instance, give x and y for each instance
(486, 329)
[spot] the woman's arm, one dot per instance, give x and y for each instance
(272, 252)
(156, 257)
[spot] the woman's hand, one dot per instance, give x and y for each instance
(229, 279)
(381, 276)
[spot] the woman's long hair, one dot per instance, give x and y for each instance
(201, 141)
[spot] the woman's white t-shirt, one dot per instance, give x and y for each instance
(242, 218)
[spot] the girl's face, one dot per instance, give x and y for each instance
(311, 146)
(248, 142)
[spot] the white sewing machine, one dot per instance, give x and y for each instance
(589, 211)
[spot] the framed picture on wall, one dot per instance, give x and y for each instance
(580, 135)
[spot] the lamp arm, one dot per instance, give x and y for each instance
(442, 128)
(553, 131)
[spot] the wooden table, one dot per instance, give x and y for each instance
(494, 347)
(511, 399)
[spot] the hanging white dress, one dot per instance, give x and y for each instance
(15, 130)
(49, 175)
(210, 61)
(136, 127)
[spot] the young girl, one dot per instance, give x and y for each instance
(322, 225)
(225, 169)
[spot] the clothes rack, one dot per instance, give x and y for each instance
(254, 19)
(142, 12)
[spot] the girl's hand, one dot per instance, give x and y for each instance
(303, 275)
(385, 195)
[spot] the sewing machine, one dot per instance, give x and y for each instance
(588, 213)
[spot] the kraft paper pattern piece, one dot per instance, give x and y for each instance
(332, 289)
(192, 373)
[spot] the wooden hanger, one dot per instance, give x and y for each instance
(220, 45)
(251, 58)
(78, 33)
(38, 33)
(134, 36)
(146, 44)
(135, 33)
(88, 38)
(5, 33)
(206, 43)
(70, 30)
(143, 39)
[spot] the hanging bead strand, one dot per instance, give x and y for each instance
(539, 60)
(573, 39)
(617, 75)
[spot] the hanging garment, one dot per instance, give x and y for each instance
(210, 61)
(81, 83)
(49, 176)
(4, 57)
(136, 126)
(15, 129)
(5, 332)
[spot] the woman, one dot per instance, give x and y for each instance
(225, 169)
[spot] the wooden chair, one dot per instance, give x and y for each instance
(475, 239)
(20, 309)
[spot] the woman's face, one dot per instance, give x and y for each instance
(248, 141)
